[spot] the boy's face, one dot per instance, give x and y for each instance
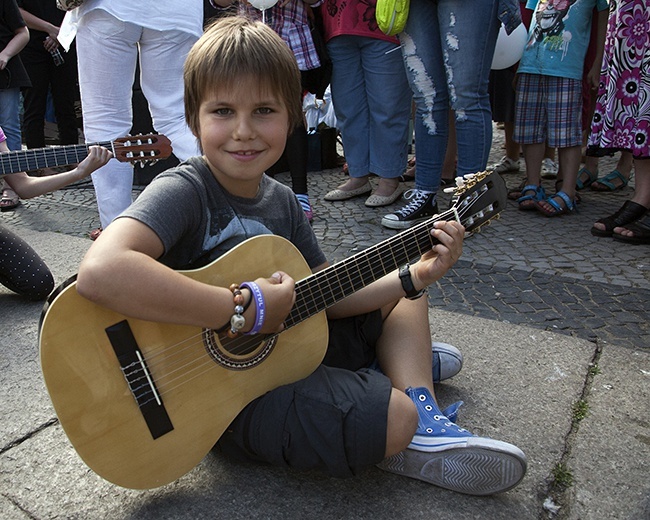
(243, 132)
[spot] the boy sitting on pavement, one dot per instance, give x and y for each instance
(242, 99)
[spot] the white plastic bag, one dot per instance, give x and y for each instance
(319, 111)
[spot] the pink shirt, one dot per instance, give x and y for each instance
(352, 18)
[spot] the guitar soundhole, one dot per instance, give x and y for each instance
(240, 353)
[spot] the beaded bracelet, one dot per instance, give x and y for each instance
(260, 309)
(237, 320)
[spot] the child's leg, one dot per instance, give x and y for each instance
(530, 133)
(296, 154)
(569, 159)
(404, 353)
(532, 191)
(533, 156)
(404, 348)
(564, 108)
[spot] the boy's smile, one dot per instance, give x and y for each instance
(243, 131)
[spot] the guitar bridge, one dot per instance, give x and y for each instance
(139, 379)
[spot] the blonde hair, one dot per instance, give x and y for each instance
(234, 48)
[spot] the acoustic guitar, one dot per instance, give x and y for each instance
(144, 402)
(140, 148)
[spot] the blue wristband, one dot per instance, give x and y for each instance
(260, 310)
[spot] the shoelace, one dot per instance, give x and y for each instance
(419, 198)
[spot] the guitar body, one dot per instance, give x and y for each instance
(202, 385)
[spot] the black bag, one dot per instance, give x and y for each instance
(317, 80)
(321, 149)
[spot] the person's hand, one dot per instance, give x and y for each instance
(279, 297)
(4, 59)
(441, 257)
(97, 157)
(50, 44)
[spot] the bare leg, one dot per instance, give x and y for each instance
(512, 148)
(404, 354)
(533, 155)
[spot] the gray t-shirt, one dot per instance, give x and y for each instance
(198, 221)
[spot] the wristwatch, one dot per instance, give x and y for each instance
(407, 283)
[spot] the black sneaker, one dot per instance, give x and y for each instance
(421, 207)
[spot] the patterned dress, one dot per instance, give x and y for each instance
(622, 117)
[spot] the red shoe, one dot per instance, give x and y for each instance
(94, 234)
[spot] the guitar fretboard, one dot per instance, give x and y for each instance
(329, 286)
(28, 160)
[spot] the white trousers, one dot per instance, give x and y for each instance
(107, 56)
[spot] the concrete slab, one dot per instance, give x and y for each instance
(24, 404)
(611, 458)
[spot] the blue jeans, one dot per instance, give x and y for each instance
(10, 117)
(372, 102)
(447, 47)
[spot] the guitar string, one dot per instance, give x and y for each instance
(206, 360)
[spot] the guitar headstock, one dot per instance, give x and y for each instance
(478, 198)
(142, 148)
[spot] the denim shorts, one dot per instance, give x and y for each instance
(333, 420)
(548, 109)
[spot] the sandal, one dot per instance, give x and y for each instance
(536, 195)
(8, 201)
(558, 186)
(515, 193)
(641, 230)
(557, 208)
(582, 184)
(627, 213)
(607, 183)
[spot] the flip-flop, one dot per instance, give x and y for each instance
(606, 183)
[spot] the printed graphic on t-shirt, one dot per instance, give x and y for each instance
(550, 28)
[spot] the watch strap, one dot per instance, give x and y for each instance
(407, 283)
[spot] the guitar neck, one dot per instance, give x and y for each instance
(51, 157)
(331, 285)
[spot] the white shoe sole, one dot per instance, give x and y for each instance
(402, 224)
(482, 467)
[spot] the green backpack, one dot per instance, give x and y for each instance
(391, 15)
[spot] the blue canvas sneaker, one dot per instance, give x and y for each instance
(446, 362)
(446, 455)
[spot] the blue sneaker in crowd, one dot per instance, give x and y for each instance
(446, 455)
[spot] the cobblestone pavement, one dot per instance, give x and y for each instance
(524, 268)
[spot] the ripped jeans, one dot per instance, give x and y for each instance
(447, 47)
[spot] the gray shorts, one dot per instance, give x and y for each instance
(334, 420)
